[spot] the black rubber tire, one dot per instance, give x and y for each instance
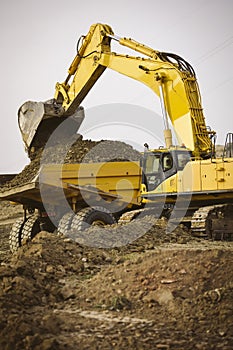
(91, 216)
(65, 224)
(30, 229)
(15, 235)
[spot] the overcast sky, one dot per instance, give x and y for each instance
(38, 42)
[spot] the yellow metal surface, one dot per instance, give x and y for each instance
(122, 179)
(200, 176)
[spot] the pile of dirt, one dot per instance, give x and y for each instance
(86, 151)
(9, 212)
(161, 291)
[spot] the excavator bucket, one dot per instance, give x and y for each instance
(38, 120)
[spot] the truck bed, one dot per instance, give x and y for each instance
(111, 180)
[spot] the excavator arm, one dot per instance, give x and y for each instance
(168, 75)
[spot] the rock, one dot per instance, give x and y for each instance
(161, 296)
(49, 269)
(48, 344)
(67, 292)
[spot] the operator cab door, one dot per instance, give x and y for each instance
(157, 166)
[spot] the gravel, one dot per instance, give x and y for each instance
(86, 151)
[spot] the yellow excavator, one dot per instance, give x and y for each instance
(188, 180)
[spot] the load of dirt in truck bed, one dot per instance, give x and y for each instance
(162, 291)
(86, 151)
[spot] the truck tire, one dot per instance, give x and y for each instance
(65, 224)
(92, 216)
(15, 235)
(30, 229)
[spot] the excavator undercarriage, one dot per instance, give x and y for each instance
(214, 222)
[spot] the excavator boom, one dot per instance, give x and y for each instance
(170, 77)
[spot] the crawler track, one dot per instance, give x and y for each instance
(215, 222)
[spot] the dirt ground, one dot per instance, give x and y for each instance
(159, 292)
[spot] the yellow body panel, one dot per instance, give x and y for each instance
(200, 176)
(228, 174)
(122, 179)
(190, 179)
(217, 174)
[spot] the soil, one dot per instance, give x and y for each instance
(85, 151)
(162, 291)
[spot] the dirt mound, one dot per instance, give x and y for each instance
(86, 151)
(159, 292)
(9, 211)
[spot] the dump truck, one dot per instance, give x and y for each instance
(185, 182)
(99, 191)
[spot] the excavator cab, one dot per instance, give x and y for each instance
(161, 164)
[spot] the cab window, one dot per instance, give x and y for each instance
(152, 164)
(167, 162)
(152, 171)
